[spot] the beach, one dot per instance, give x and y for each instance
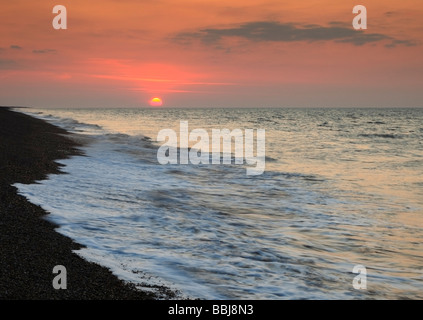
(30, 247)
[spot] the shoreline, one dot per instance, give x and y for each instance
(30, 247)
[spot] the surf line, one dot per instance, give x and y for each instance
(221, 143)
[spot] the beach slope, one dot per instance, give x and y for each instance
(29, 245)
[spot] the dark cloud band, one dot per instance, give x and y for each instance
(289, 32)
(44, 51)
(7, 64)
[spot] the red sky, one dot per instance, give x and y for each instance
(211, 53)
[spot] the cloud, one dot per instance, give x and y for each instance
(7, 64)
(339, 23)
(390, 13)
(16, 47)
(407, 43)
(288, 32)
(43, 51)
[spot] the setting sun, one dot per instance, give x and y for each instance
(156, 102)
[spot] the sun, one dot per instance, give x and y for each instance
(156, 102)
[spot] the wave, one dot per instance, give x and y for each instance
(376, 122)
(74, 123)
(380, 135)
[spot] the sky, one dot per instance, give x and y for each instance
(211, 53)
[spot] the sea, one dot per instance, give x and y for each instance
(336, 214)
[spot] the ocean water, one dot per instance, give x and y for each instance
(342, 187)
